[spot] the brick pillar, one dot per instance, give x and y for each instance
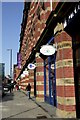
(24, 82)
(31, 81)
(39, 78)
(65, 76)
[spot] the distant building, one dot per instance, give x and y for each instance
(2, 71)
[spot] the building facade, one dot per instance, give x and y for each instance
(56, 78)
(2, 71)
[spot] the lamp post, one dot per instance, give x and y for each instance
(10, 62)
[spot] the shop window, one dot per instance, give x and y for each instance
(42, 5)
(31, 32)
(47, 81)
(78, 57)
(76, 61)
(38, 13)
(26, 44)
(77, 47)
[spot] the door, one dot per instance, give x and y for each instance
(76, 61)
(53, 79)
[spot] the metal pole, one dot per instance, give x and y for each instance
(10, 62)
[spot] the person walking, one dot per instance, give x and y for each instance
(28, 88)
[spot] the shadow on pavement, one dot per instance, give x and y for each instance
(8, 97)
(18, 114)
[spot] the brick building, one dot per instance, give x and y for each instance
(51, 23)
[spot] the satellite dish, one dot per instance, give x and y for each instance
(31, 66)
(47, 50)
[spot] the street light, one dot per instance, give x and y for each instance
(10, 61)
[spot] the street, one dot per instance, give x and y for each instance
(17, 105)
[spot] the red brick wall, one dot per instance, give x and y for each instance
(36, 26)
(31, 81)
(39, 78)
(24, 82)
(32, 33)
(64, 73)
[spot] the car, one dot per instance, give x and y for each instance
(7, 87)
(2, 93)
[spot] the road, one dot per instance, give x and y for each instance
(17, 105)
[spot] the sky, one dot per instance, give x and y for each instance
(0, 32)
(12, 13)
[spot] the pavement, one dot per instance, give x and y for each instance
(17, 105)
(50, 109)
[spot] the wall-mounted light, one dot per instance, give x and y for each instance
(52, 66)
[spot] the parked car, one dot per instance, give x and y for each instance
(8, 87)
(2, 93)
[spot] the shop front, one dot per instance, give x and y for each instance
(50, 80)
(50, 75)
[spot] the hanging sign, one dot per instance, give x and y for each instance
(22, 75)
(31, 66)
(18, 79)
(47, 50)
(25, 72)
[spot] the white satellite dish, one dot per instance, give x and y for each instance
(48, 50)
(31, 66)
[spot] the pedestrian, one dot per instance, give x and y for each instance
(28, 88)
(12, 86)
(17, 87)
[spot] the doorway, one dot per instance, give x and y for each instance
(76, 61)
(50, 80)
